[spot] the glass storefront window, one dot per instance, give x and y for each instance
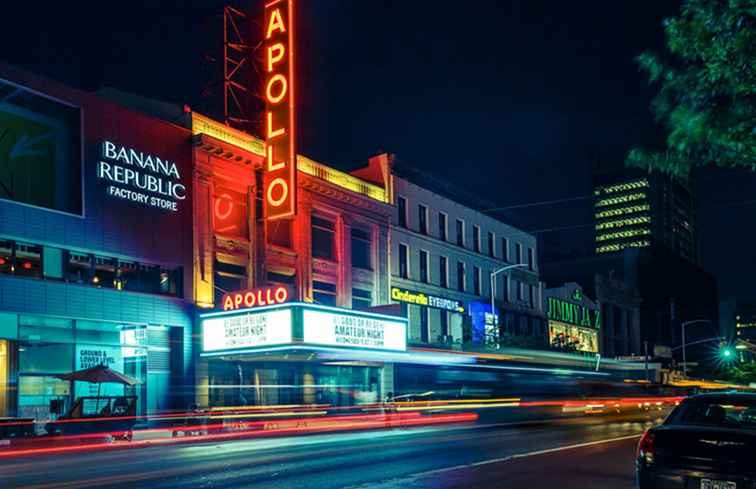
(35, 393)
(51, 346)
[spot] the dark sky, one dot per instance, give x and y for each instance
(510, 98)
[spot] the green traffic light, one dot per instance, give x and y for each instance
(727, 352)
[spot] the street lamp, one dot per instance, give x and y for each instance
(493, 285)
(685, 362)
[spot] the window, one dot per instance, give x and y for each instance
(403, 261)
(518, 252)
(505, 249)
(323, 238)
(460, 232)
(442, 226)
(228, 277)
(424, 266)
(519, 286)
(424, 324)
(505, 287)
(401, 204)
(460, 276)
(28, 260)
(443, 271)
(79, 267)
(444, 323)
(324, 293)
(531, 260)
(476, 239)
(105, 272)
(6, 256)
(476, 280)
(422, 219)
(361, 299)
(491, 245)
(531, 296)
(127, 276)
(288, 280)
(736, 413)
(361, 249)
(279, 233)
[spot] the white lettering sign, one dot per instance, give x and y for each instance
(246, 330)
(326, 328)
(140, 177)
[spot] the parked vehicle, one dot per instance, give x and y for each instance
(707, 442)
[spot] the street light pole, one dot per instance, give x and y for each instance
(494, 273)
(685, 361)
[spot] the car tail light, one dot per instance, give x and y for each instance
(646, 448)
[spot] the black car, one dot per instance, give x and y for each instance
(707, 442)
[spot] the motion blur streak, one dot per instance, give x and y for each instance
(263, 429)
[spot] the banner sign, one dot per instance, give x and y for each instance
(399, 294)
(280, 148)
(247, 330)
(333, 329)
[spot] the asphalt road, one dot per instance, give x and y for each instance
(585, 453)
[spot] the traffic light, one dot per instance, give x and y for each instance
(726, 352)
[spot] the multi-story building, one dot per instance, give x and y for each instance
(95, 248)
(443, 252)
(737, 319)
(649, 293)
(634, 209)
(333, 253)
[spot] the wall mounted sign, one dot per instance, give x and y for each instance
(571, 313)
(247, 299)
(407, 296)
(140, 177)
(485, 324)
(249, 330)
(333, 329)
(280, 148)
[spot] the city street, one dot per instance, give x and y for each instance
(584, 452)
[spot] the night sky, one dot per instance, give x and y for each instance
(512, 99)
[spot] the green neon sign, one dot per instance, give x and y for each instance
(571, 313)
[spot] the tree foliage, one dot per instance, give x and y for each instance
(741, 373)
(707, 88)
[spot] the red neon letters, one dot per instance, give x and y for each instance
(280, 149)
(266, 296)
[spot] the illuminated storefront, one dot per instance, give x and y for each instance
(294, 353)
(574, 319)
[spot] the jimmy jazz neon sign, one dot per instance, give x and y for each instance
(246, 299)
(280, 149)
(140, 177)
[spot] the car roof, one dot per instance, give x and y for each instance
(729, 396)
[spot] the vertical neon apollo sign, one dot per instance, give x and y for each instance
(280, 149)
